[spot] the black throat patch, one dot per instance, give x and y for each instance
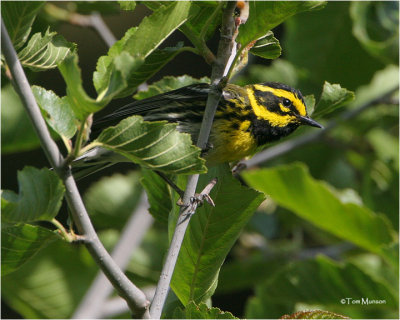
(264, 133)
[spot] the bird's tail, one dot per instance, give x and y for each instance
(95, 160)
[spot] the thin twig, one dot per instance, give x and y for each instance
(170, 183)
(92, 304)
(102, 29)
(199, 43)
(93, 20)
(223, 55)
(293, 144)
(134, 297)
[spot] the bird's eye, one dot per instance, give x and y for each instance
(286, 103)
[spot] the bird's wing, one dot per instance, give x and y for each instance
(186, 94)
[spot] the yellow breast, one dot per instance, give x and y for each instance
(230, 145)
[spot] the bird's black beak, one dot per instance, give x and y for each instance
(309, 122)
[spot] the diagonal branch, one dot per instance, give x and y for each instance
(94, 20)
(224, 52)
(92, 304)
(134, 297)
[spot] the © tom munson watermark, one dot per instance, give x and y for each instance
(362, 301)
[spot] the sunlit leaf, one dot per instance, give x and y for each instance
(293, 188)
(333, 97)
(267, 47)
(139, 43)
(52, 283)
(265, 15)
(211, 233)
(18, 17)
(45, 52)
(156, 145)
(127, 5)
(201, 311)
(314, 314)
(20, 243)
(39, 198)
(80, 102)
(321, 282)
(150, 66)
(56, 111)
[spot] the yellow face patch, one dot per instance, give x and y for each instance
(283, 108)
(275, 119)
(297, 103)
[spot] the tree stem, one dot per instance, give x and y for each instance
(134, 297)
(224, 52)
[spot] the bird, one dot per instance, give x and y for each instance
(247, 118)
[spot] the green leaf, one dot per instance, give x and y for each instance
(156, 145)
(321, 282)
(122, 68)
(45, 52)
(18, 17)
(314, 314)
(159, 195)
(153, 30)
(51, 284)
(376, 27)
(151, 65)
(310, 104)
(140, 43)
(81, 103)
(104, 67)
(39, 198)
(211, 234)
(112, 200)
(168, 83)
(21, 243)
(193, 311)
(127, 5)
(56, 111)
(197, 21)
(265, 15)
(267, 47)
(293, 188)
(333, 97)
(17, 133)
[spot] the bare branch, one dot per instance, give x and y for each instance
(134, 297)
(102, 29)
(92, 304)
(223, 55)
(93, 20)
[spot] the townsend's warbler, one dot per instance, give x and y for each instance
(246, 118)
